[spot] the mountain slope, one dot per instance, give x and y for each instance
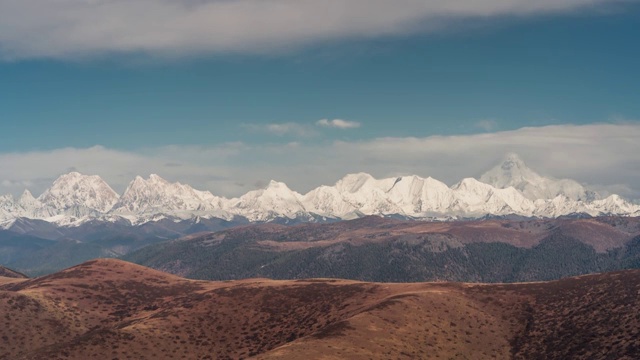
(120, 310)
(14, 246)
(386, 250)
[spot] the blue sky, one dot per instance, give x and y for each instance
(488, 70)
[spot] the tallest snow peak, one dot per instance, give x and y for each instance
(511, 161)
(276, 184)
(513, 172)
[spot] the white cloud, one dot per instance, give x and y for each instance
(604, 156)
(338, 123)
(281, 129)
(71, 28)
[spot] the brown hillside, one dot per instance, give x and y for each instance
(8, 273)
(110, 309)
(600, 233)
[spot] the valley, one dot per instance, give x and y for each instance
(371, 248)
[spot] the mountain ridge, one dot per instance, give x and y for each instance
(382, 249)
(510, 188)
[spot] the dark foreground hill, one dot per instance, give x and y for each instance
(387, 250)
(110, 309)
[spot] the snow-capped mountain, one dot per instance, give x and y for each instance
(416, 195)
(80, 192)
(144, 199)
(513, 172)
(509, 188)
(31, 207)
(28, 201)
(276, 200)
(367, 194)
(327, 200)
(478, 198)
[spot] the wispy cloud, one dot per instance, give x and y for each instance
(486, 124)
(338, 123)
(603, 156)
(281, 129)
(75, 28)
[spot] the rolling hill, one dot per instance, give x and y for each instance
(117, 310)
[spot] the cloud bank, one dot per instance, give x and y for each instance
(603, 156)
(71, 28)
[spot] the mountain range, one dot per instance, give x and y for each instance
(510, 188)
(382, 249)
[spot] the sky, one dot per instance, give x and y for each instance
(227, 95)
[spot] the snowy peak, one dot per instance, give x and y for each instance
(327, 200)
(367, 194)
(613, 204)
(266, 204)
(28, 201)
(157, 178)
(471, 185)
(476, 198)
(353, 182)
(416, 195)
(156, 194)
(75, 190)
(511, 172)
(513, 161)
(27, 197)
(277, 186)
(139, 183)
(514, 172)
(276, 191)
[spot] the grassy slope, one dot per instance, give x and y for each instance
(114, 309)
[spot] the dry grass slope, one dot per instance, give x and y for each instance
(110, 309)
(8, 273)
